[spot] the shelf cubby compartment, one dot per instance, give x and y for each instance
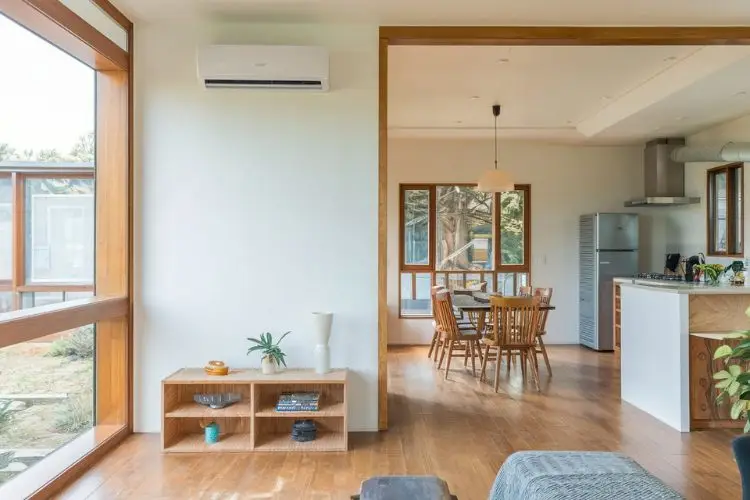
(274, 434)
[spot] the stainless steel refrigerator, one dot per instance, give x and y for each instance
(608, 249)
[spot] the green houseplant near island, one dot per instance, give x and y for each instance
(733, 382)
(273, 356)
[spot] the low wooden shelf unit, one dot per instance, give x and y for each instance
(253, 424)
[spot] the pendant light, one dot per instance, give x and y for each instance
(495, 181)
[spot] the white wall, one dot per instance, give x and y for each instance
(691, 221)
(254, 209)
(565, 182)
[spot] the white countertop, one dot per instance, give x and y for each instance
(683, 287)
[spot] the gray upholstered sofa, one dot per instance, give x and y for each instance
(547, 475)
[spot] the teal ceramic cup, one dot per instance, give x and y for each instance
(212, 433)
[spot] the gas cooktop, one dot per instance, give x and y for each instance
(659, 276)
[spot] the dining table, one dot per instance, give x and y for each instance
(477, 305)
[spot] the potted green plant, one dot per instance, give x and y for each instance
(273, 356)
(733, 382)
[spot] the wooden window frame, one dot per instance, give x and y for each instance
(526, 266)
(430, 268)
(733, 211)
(112, 307)
(20, 284)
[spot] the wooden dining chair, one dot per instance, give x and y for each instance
(515, 322)
(437, 340)
(524, 291)
(456, 341)
(545, 298)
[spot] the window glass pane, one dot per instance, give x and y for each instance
(738, 219)
(506, 284)
(6, 301)
(60, 230)
(440, 279)
(47, 389)
(464, 228)
(490, 279)
(522, 279)
(78, 295)
(512, 206)
(720, 224)
(455, 280)
(415, 301)
(416, 227)
(37, 299)
(48, 105)
(6, 229)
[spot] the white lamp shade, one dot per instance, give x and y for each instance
(495, 181)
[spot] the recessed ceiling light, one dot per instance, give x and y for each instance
(740, 93)
(459, 122)
(680, 118)
(474, 97)
(569, 122)
(670, 59)
(503, 60)
(606, 98)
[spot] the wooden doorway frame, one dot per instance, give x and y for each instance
(499, 35)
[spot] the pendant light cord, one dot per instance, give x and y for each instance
(495, 142)
(496, 112)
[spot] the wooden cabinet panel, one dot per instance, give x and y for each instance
(705, 413)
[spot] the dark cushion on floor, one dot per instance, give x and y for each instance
(404, 488)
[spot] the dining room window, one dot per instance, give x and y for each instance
(455, 236)
(724, 210)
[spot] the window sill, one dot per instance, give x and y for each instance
(51, 474)
(28, 324)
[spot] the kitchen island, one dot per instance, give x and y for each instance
(667, 334)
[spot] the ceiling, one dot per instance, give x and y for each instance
(451, 12)
(596, 95)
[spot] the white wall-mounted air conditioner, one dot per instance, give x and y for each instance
(263, 67)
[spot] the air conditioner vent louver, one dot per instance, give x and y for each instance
(264, 67)
(264, 84)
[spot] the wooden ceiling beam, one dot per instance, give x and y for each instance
(565, 35)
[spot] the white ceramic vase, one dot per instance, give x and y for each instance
(267, 366)
(322, 322)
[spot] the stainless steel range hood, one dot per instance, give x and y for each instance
(663, 178)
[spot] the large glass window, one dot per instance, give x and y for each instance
(47, 217)
(725, 213)
(461, 238)
(50, 384)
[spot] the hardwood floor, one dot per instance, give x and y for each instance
(458, 429)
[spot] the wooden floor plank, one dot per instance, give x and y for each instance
(458, 429)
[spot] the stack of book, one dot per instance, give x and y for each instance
(298, 401)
